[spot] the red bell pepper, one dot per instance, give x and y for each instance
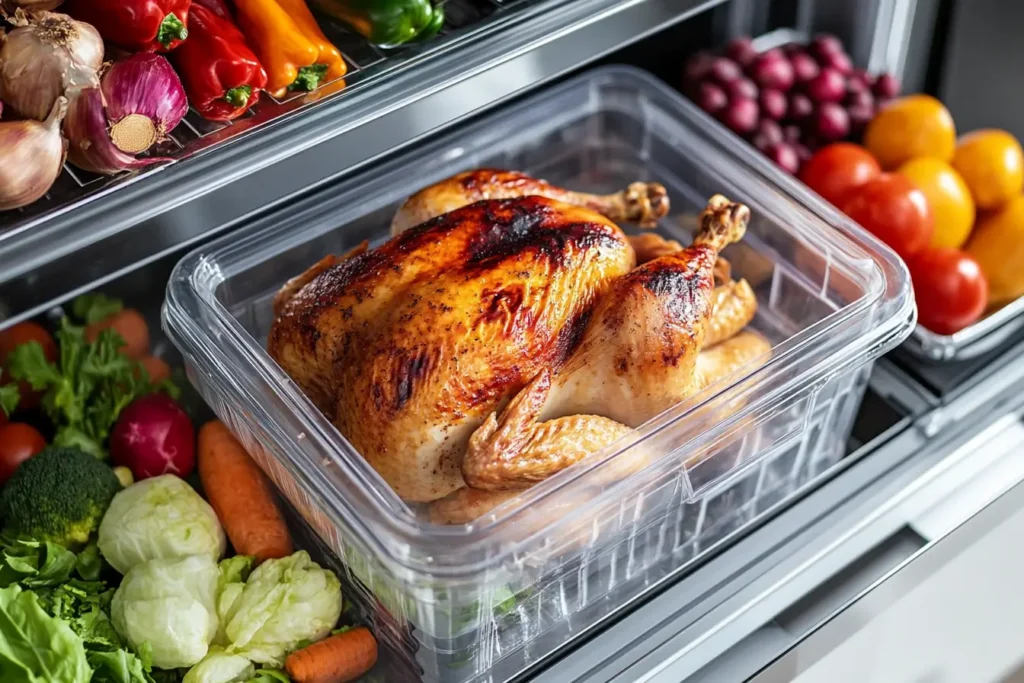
(221, 75)
(218, 7)
(152, 25)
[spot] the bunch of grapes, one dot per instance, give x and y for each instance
(788, 101)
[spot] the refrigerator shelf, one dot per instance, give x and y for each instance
(91, 230)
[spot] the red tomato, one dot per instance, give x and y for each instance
(18, 443)
(894, 210)
(14, 337)
(838, 168)
(950, 289)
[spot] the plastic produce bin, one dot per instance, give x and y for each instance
(481, 600)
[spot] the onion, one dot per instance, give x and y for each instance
(741, 89)
(47, 54)
(773, 104)
(741, 116)
(804, 67)
(887, 86)
(829, 86)
(153, 436)
(31, 5)
(784, 156)
(832, 122)
(800, 107)
(768, 133)
(773, 70)
(742, 51)
(711, 98)
(140, 100)
(31, 156)
(724, 71)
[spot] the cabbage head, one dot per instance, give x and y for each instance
(285, 602)
(221, 667)
(159, 518)
(171, 604)
(233, 573)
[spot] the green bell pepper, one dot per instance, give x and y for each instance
(387, 23)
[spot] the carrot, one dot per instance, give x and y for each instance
(241, 495)
(156, 368)
(342, 657)
(132, 327)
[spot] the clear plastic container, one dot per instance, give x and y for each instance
(481, 600)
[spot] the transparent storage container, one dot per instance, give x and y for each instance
(482, 600)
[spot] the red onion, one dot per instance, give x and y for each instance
(773, 104)
(153, 436)
(139, 101)
(860, 99)
(859, 80)
(773, 70)
(829, 86)
(698, 66)
(769, 130)
(792, 133)
(711, 98)
(860, 117)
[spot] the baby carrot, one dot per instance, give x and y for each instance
(342, 657)
(241, 495)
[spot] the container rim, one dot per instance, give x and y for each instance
(393, 531)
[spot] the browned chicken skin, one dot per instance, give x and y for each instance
(411, 347)
(642, 203)
(408, 347)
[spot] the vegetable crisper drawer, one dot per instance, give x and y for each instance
(481, 599)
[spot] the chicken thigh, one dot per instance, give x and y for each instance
(638, 356)
(408, 347)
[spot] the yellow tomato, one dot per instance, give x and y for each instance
(998, 246)
(948, 197)
(910, 127)
(991, 162)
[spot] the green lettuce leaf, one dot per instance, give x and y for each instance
(36, 647)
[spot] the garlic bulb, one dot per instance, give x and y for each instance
(45, 55)
(31, 156)
(31, 5)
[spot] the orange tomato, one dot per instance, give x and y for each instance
(910, 127)
(992, 164)
(894, 210)
(836, 169)
(997, 244)
(950, 200)
(132, 327)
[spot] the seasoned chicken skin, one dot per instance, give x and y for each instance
(642, 203)
(642, 352)
(408, 347)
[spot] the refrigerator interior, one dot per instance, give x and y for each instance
(682, 617)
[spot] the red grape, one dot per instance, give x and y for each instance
(838, 61)
(886, 86)
(860, 117)
(803, 152)
(772, 70)
(829, 86)
(768, 132)
(741, 50)
(711, 98)
(800, 106)
(741, 116)
(790, 49)
(859, 80)
(792, 133)
(724, 71)
(741, 89)
(773, 104)
(697, 67)
(804, 67)
(832, 122)
(784, 156)
(825, 44)
(862, 99)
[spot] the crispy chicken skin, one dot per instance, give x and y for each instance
(642, 203)
(642, 352)
(408, 347)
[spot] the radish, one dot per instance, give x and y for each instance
(154, 436)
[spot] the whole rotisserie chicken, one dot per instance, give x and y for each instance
(486, 296)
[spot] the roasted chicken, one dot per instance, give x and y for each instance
(519, 320)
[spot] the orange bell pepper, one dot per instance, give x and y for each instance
(292, 48)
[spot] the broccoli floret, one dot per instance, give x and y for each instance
(59, 495)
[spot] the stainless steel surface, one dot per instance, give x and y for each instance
(954, 612)
(123, 227)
